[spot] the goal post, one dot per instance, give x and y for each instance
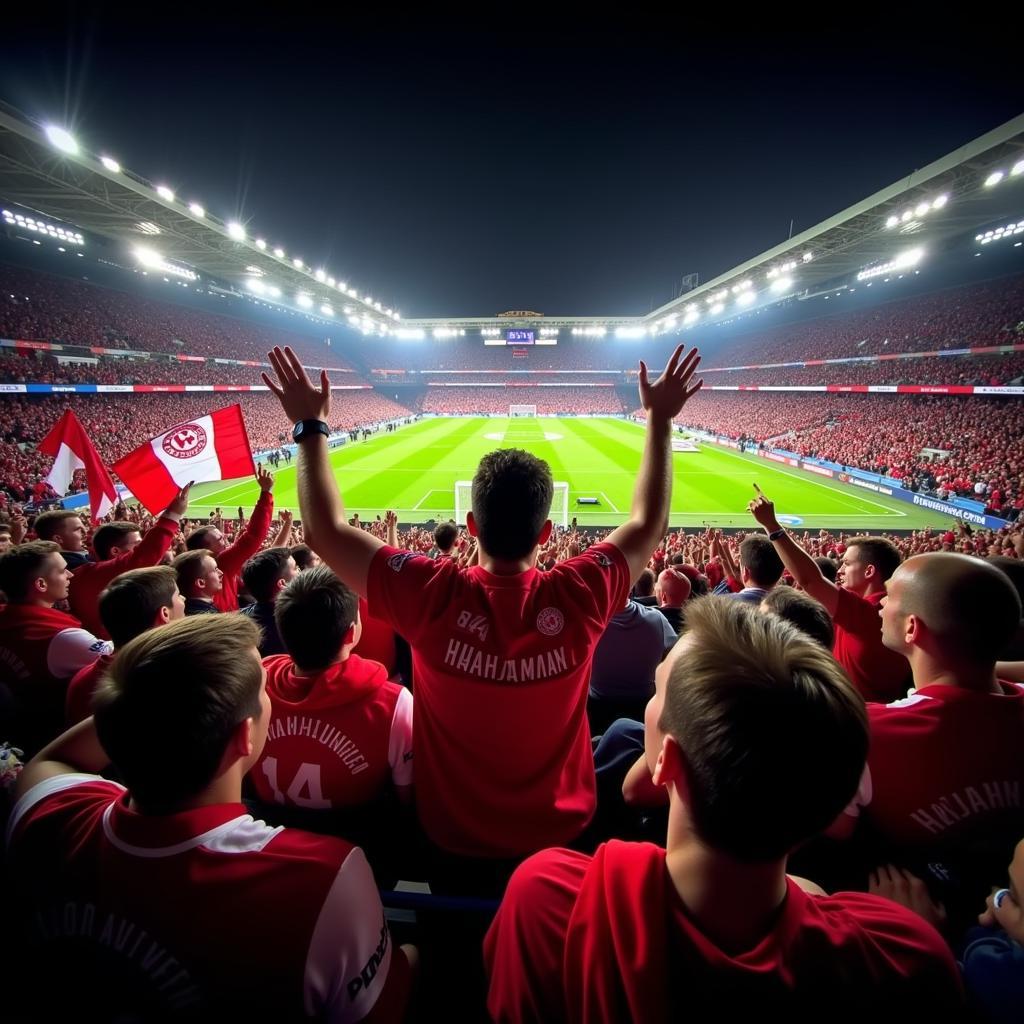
(522, 410)
(559, 513)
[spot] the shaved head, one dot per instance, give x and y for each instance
(673, 588)
(969, 608)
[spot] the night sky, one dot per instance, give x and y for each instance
(448, 169)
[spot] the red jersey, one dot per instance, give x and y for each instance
(336, 739)
(502, 747)
(878, 673)
(377, 642)
(38, 644)
(214, 913)
(609, 939)
(250, 540)
(78, 702)
(944, 763)
(92, 578)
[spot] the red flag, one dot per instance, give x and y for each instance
(213, 447)
(71, 448)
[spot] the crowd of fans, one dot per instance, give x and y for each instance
(27, 420)
(968, 456)
(631, 765)
(970, 316)
(550, 401)
(590, 746)
(988, 371)
(36, 306)
(44, 368)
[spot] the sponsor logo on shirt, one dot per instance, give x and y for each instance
(368, 973)
(395, 562)
(603, 560)
(185, 442)
(99, 647)
(550, 621)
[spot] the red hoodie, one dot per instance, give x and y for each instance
(334, 739)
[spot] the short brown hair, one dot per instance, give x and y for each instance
(511, 498)
(773, 735)
(22, 564)
(197, 538)
(48, 523)
(759, 557)
(803, 612)
(132, 600)
(170, 701)
(879, 552)
(110, 534)
(189, 567)
(445, 535)
(314, 613)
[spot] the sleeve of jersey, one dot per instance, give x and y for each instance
(251, 539)
(903, 946)
(350, 951)
(405, 589)
(400, 742)
(153, 546)
(44, 796)
(602, 578)
(73, 649)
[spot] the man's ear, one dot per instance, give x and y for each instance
(545, 532)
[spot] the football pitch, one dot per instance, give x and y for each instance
(414, 471)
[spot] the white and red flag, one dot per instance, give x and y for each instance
(71, 449)
(213, 447)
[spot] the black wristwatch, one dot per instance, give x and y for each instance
(776, 534)
(307, 428)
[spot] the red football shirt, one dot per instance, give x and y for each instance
(213, 912)
(91, 579)
(336, 739)
(250, 540)
(78, 702)
(377, 642)
(607, 938)
(878, 673)
(502, 747)
(943, 763)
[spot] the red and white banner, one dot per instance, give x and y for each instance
(71, 449)
(213, 447)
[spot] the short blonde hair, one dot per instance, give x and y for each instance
(170, 701)
(773, 734)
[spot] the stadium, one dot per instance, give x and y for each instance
(915, 330)
(788, 772)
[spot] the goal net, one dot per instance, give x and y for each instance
(522, 410)
(559, 513)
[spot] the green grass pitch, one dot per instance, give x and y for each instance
(414, 471)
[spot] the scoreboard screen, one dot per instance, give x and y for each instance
(517, 336)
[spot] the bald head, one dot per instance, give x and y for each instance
(968, 608)
(673, 588)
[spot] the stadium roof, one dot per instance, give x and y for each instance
(927, 213)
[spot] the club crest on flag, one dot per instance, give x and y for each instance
(186, 441)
